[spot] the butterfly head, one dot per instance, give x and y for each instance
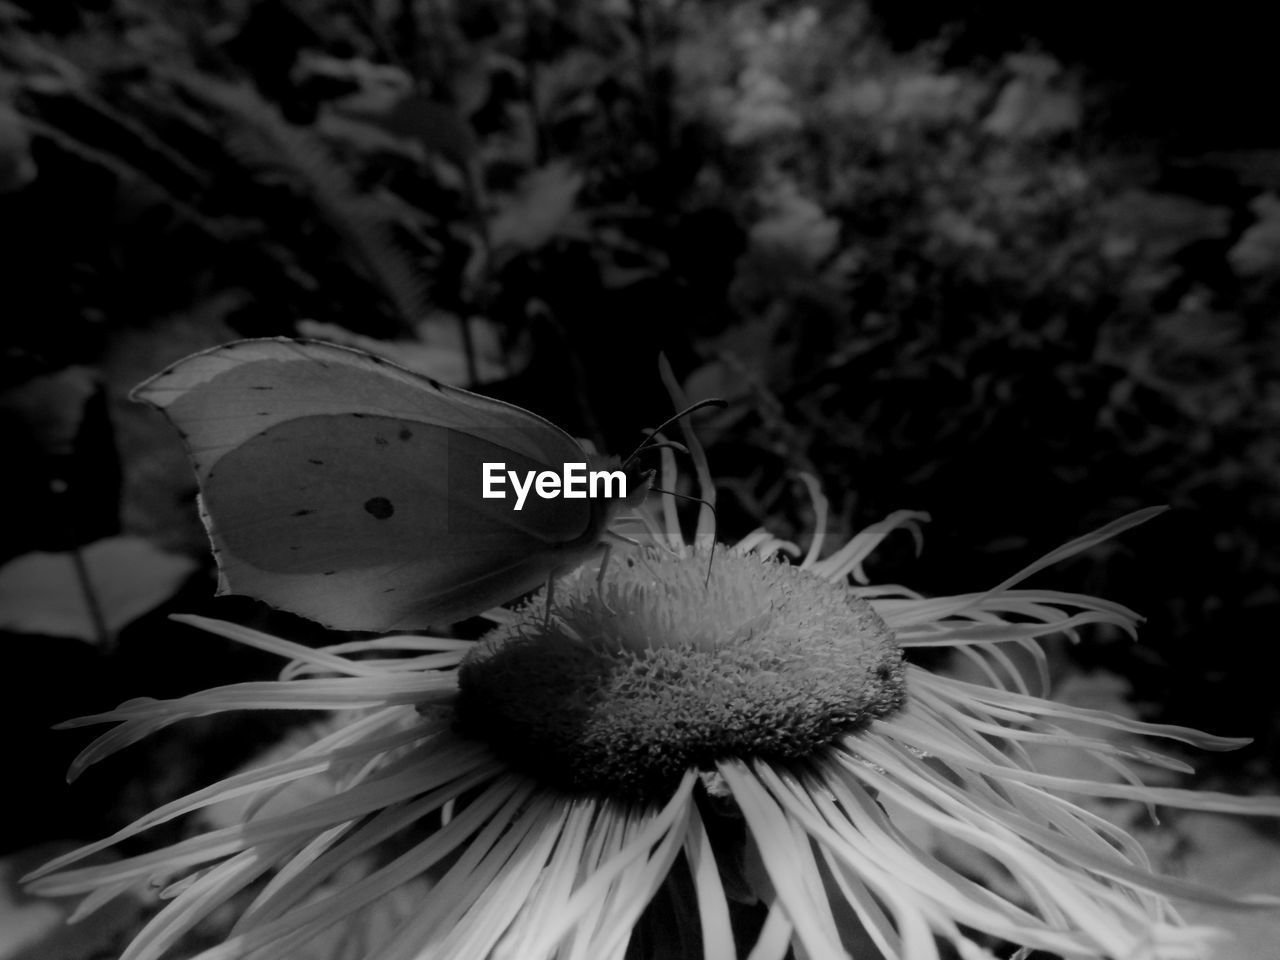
(639, 480)
(638, 483)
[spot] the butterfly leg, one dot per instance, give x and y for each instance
(612, 538)
(546, 610)
(604, 565)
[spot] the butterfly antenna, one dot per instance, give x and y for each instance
(710, 506)
(662, 445)
(693, 407)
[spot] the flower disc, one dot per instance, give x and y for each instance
(625, 688)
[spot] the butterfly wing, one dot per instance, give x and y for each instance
(342, 487)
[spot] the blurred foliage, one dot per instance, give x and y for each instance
(932, 281)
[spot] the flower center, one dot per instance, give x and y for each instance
(661, 671)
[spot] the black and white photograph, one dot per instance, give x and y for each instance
(639, 480)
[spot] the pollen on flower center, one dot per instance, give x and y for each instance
(660, 671)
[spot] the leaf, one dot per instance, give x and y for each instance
(1026, 110)
(260, 138)
(531, 216)
(1030, 106)
(1258, 249)
(1162, 224)
(42, 593)
(928, 98)
(763, 107)
(794, 223)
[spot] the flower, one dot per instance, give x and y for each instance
(690, 756)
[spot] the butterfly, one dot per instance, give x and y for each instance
(344, 488)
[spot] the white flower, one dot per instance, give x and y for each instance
(664, 754)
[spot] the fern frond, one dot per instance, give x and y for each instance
(260, 137)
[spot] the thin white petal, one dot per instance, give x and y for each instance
(901, 728)
(856, 893)
(932, 613)
(143, 717)
(764, 543)
(1017, 708)
(1080, 545)
(556, 882)
(302, 923)
(954, 636)
(713, 907)
(324, 659)
(201, 898)
(365, 798)
(633, 891)
(670, 518)
(501, 900)
(793, 885)
(333, 849)
(848, 559)
(650, 829)
(706, 529)
(306, 763)
(775, 937)
(820, 507)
